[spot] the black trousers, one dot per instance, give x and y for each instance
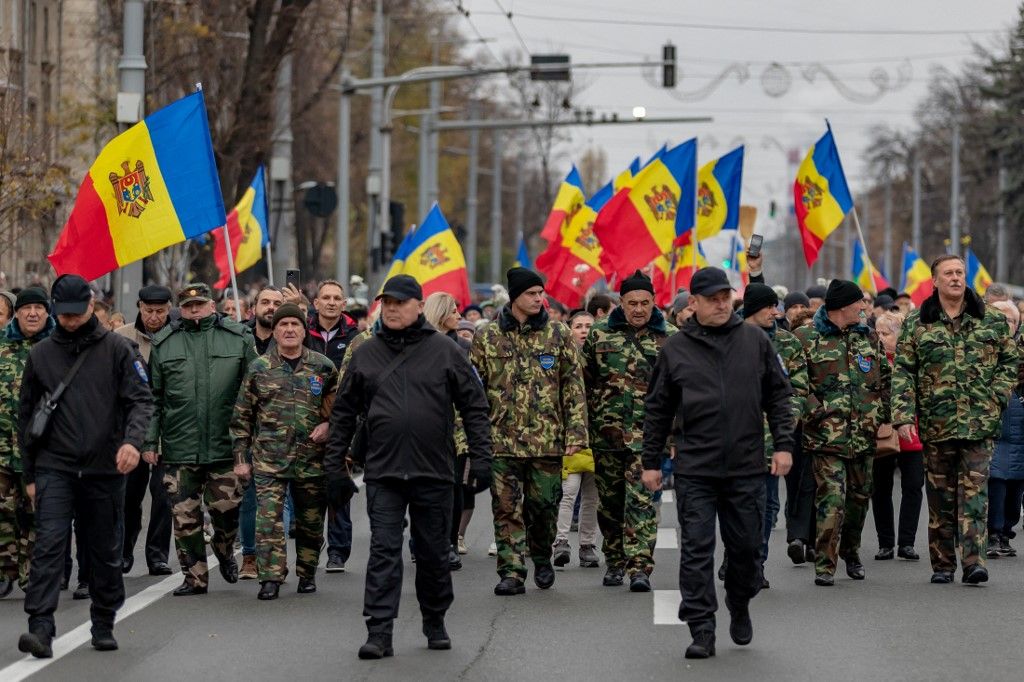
(739, 505)
(158, 534)
(96, 503)
(911, 465)
(800, 490)
(429, 504)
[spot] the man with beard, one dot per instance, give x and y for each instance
(267, 302)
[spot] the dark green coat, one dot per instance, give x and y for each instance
(196, 368)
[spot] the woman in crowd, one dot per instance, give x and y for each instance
(911, 465)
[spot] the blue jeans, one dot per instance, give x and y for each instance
(1004, 500)
(339, 532)
(247, 519)
(771, 511)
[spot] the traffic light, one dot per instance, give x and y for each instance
(390, 240)
(668, 66)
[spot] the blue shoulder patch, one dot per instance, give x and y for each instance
(140, 369)
(546, 361)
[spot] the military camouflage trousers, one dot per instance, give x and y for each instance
(309, 500)
(17, 527)
(956, 484)
(625, 511)
(841, 502)
(525, 493)
(189, 487)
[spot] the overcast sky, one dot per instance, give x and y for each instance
(849, 38)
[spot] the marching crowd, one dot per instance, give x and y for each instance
(251, 432)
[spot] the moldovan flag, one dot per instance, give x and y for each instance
(977, 276)
(435, 258)
(738, 258)
(718, 195)
(249, 230)
(573, 263)
(917, 276)
(567, 202)
(640, 223)
(674, 272)
(625, 178)
(152, 186)
(821, 196)
(865, 274)
(523, 255)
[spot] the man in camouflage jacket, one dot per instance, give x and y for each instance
(618, 357)
(31, 323)
(281, 417)
(955, 365)
(533, 378)
(843, 392)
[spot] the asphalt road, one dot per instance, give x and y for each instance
(895, 625)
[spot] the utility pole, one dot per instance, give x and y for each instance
(954, 193)
(520, 205)
(915, 229)
(423, 184)
(433, 144)
(1002, 264)
(131, 96)
(472, 200)
(376, 164)
(887, 235)
(496, 210)
(344, 160)
(285, 254)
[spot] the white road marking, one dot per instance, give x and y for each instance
(667, 539)
(65, 644)
(668, 497)
(666, 607)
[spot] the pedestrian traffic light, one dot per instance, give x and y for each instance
(668, 66)
(390, 240)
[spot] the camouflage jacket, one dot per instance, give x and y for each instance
(14, 348)
(842, 387)
(616, 373)
(533, 378)
(791, 354)
(276, 411)
(955, 382)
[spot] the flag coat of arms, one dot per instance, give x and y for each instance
(434, 257)
(821, 196)
(152, 186)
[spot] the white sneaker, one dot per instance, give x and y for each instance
(462, 549)
(492, 550)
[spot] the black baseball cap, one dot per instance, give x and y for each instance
(708, 281)
(402, 288)
(70, 295)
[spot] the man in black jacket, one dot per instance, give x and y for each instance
(405, 380)
(78, 467)
(715, 380)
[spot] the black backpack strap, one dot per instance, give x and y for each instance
(63, 385)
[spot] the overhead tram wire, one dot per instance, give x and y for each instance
(515, 29)
(755, 29)
(465, 14)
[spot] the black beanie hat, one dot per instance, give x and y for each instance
(288, 310)
(32, 295)
(521, 279)
(638, 281)
(841, 293)
(757, 297)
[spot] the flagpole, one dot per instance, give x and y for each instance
(270, 264)
(231, 269)
(867, 256)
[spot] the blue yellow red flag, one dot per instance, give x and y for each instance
(865, 274)
(568, 201)
(573, 263)
(649, 218)
(917, 276)
(523, 255)
(718, 195)
(821, 196)
(249, 230)
(152, 186)
(435, 258)
(977, 276)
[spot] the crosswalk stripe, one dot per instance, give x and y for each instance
(666, 607)
(667, 539)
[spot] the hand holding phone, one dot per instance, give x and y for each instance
(754, 250)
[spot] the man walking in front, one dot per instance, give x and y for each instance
(618, 358)
(714, 381)
(405, 381)
(956, 363)
(533, 378)
(75, 465)
(197, 364)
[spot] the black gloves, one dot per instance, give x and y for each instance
(480, 472)
(340, 490)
